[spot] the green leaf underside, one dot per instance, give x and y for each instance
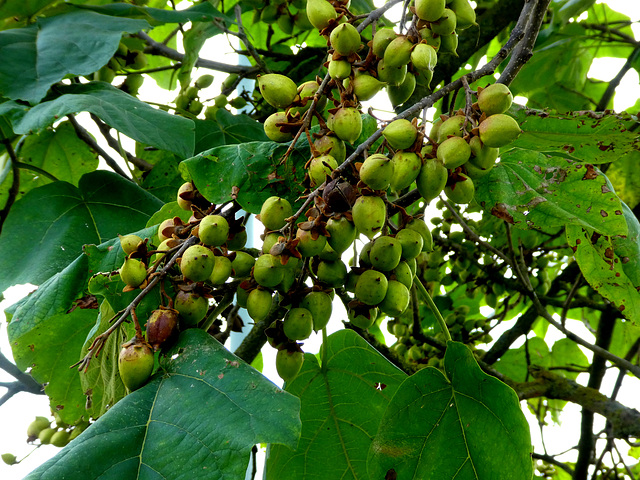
(439, 427)
(117, 109)
(341, 408)
(77, 43)
(203, 12)
(254, 168)
(58, 219)
(530, 190)
(197, 419)
(579, 137)
(227, 129)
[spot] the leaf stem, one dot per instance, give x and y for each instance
(433, 307)
(324, 350)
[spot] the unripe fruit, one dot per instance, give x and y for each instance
(161, 326)
(185, 188)
(391, 75)
(449, 44)
(204, 81)
(432, 179)
(411, 242)
(339, 69)
(345, 39)
(403, 274)
(38, 425)
(446, 24)
(237, 102)
(376, 171)
(332, 273)
(363, 321)
(465, 14)
(333, 146)
(9, 458)
(484, 157)
(424, 57)
(133, 272)
(365, 87)
(371, 287)
(274, 212)
(192, 93)
(272, 131)
(400, 134)
(396, 299)
(461, 192)
(381, 40)
(320, 13)
(496, 98)
(259, 304)
(307, 90)
(454, 152)
(406, 168)
(430, 10)
(211, 112)
(164, 224)
(129, 243)
(398, 94)
(499, 130)
(320, 167)
(369, 215)
(105, 74)
(221, 270)
(298, 324)
(241, 265)
(197, 263)
(277, 90)
(288, 364)
(238, 240)
(213, 230)
(342, 234)
(385, 253)
(421, 227)
(347, 124)
(45, 435)
(452, 126)
(431, 39)
(398, 52)
(269, 14)
(267, 271)
(269, 241)
(285, 22)
(191, 307)
(307, 245)
(319, 305)
(132, 83)
(60, 438)
(135, 364)
(474, 172)
(363, 258)
(195, 107)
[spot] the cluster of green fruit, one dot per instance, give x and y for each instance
(58, 435)
(286, 14)
(188, 98)
(129, 56)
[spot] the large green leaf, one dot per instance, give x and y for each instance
(198, 419)
(253, 168)
(47, 228)
(119, 110)
(227, 129)
(341, 406)
(532, 190)
(77, 43)
(591, 138)
(21, 8)
(465, 425)
(625, 178)
(59, 152)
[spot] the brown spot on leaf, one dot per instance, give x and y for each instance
(605, 189)
(500, 211)
(391, 475)
(591, 172)
(625, 259)
(578, 242)
(569, 148)
(618, 212)
(621, 308)
(603, 213)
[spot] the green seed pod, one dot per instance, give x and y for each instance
(363, 321)
(376, 171)
(222, 270)
(328, 254)
(133, 272)
(483, 157)
(345, 39)
(363, 258)
(421, 227)
(274, 212)
(241, 265)
(197, 263)
(269, 14)
(195, 107)
(452, 126)
(411, 242)
(474, 172)
(391, 75)
(430, 10)
(289, 364)
(465, 14)
(204, 81)
(496, 98)
(342, 234)
(267, 271)
(381, 41)
(404, 274)
(499, 130)
(365, 87)
(385, 253)
(320, 305)
(307, 90)
(272, 131)
(400, 134)
(38, 425)
(9, 458)
(333, 146)
(259, 304)
(339, 69)
(371, 287)
(105, 74)
(431, 39)
(320, 13)
(424, 57)
(432, 179)
(320, 167)
(462, 192)
(398, 52)
(396, 300)
(298, 324)
(333, 274)
(269, 241)
(449, 44)
(132, 83)
(369, 215)
(446, 24)
(406, 168)
(454, 152)
(277, 90)
(213, 230)
(347, 124)
(135, 364)
(285, 22)
(45, 435)
(398, 94)
(129, 243)
(307, 245)
(191, 307)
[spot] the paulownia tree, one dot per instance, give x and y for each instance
(142, 267)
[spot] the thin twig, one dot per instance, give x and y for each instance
(105, 130)
(15, 182)
(613, 84)
(243, 38)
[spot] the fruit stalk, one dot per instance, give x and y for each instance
(423, 291)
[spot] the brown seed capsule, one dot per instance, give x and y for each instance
(339, 195)
(161, 326)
